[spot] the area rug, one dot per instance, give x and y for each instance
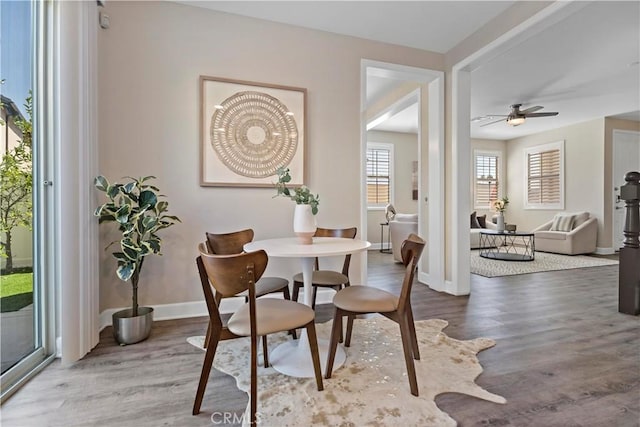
(371, 388)
(543, 262)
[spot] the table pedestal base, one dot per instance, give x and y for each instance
(293, 358)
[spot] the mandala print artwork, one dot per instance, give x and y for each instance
(254, 134)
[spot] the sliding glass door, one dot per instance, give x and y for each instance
(25, 341)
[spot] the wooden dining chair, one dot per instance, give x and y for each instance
(231, 244)
(231, 275)
(327, 278)
(356, 300)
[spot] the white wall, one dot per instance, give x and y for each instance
(405, 151)
(583, 174)
(149, 64)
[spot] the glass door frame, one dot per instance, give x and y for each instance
(44, 220)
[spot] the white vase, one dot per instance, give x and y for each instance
(500, 222)
(304, 224)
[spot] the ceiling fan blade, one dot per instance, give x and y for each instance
(487, 117)
(490, 123)
(541, 114)
(531, 109)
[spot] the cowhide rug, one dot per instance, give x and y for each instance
(371, 388)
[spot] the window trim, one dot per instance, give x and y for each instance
(500, 167)
(558, 145)
(382, 146)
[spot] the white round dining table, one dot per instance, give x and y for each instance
(293, 357)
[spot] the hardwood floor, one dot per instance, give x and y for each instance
(564, 357)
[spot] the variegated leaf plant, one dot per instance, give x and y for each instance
(140, 214)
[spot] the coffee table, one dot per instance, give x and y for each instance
(507, 246)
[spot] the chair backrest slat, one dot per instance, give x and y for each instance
(228, 243)
(228, 273)
(411, 251)
(345, 233)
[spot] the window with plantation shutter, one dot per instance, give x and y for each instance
(487, 178)
(545, 176)
(379, 174)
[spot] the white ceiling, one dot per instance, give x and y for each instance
(437, 26)
(579, 66)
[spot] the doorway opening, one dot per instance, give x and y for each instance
(404, 107)
(626, 158)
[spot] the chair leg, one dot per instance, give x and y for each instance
(265, 351)
(337, 288)
(296, 290)
(254, 378)
(412, 329)
(333, 341)
(408, 354)
(347, 341)
(217, 298)
(207, 337)
(313, 298)
(206, 370)
(315, 355)
(287, 295)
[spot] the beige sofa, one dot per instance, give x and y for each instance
(475, 234)
(399, 228)
(580, 239)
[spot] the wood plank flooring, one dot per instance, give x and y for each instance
(564, 357)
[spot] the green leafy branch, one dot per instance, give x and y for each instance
(301, 195)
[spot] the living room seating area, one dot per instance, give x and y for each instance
(479, 223)
(400, 227)
(568, 233)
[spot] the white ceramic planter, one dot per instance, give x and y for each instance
(500, 222)
(304, 224)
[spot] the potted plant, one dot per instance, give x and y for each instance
(304, 222)
(140, 214)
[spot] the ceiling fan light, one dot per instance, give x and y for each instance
(515, 121)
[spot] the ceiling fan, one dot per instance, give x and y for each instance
(516, 117)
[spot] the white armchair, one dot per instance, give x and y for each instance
(400, 228)
(580, 239)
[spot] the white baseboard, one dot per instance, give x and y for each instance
(185, 310)
(426, 279)
(605, 251)
(450, 288)
(446, 287)
(59, 346)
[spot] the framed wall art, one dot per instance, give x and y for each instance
(249, 130)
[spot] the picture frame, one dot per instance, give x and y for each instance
(248, 130)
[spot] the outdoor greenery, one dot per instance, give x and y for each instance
(16, 181)
(16, 291)
(140, 214)
(301, 195)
